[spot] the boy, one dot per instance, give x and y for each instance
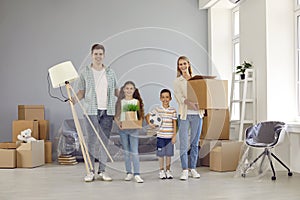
(166, 133)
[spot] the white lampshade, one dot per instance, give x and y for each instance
(61, 73)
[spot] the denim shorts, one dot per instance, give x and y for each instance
(164, 147)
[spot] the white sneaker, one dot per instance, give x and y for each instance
(128, 177)
(162, 174)
(184, 175)
(89, 177)
(195, 174)
(138, 179)
(169, 175)
(104, 177)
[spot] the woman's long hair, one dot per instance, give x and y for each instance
(136, 95)
(189, 67)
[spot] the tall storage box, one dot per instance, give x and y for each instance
(31, 112)
(31, 154)
(48, 152)
(209, 93)
(215, 124)
(43, 129)
(21, 125)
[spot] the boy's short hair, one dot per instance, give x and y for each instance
(165, 90)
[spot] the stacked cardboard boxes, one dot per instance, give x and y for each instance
(36, 153)
(212, 96)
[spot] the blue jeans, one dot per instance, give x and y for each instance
(103, 125)
(130, 143)
(194, 122)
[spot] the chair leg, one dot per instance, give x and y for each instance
(261, 163)
(250, 165)
(289, 171)
(273, 170)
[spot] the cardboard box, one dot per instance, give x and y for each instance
(21, 125)
(43, 130)
(31, 154)
(31, 112)
(48, 152)
(8, 158)
(209, 93)
(8, 145)
(132, 124)
(215, 124)
(225, 156)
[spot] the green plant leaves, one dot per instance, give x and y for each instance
(240, 69)
(130, 107)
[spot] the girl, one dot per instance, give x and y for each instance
(129, 94)
(189, 118)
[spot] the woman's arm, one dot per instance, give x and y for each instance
(174, 131)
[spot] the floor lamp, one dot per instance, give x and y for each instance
(61, 75)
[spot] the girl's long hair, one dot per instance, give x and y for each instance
(136, 95)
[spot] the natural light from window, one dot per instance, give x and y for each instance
(236, 61)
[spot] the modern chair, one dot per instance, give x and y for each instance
(266, 135)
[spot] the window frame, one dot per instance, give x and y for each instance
(297, 54)
(235, 113)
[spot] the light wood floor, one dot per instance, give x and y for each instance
(53, 181)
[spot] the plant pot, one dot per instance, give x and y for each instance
(242, 76)
(130, 115)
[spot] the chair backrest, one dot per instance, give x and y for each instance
(264, 134)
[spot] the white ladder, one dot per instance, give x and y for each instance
(243, 100)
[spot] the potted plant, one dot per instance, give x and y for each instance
(131, 111)
(241, 69)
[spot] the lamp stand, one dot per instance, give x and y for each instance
(85, 153)
(92, 125)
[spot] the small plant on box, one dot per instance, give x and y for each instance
(131, 107)
(241, 69)
(131, 111)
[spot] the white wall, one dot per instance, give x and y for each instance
(142, 34)
(280, 60)
(266, 39)
(253, 47)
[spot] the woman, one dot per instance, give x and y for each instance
(98, 87)
(190, 117)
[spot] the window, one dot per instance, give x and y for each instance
(236, 59)
(297, 50)
(297, 59)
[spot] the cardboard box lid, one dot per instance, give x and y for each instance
(196, 77)
(8, 145)
(31, 106)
